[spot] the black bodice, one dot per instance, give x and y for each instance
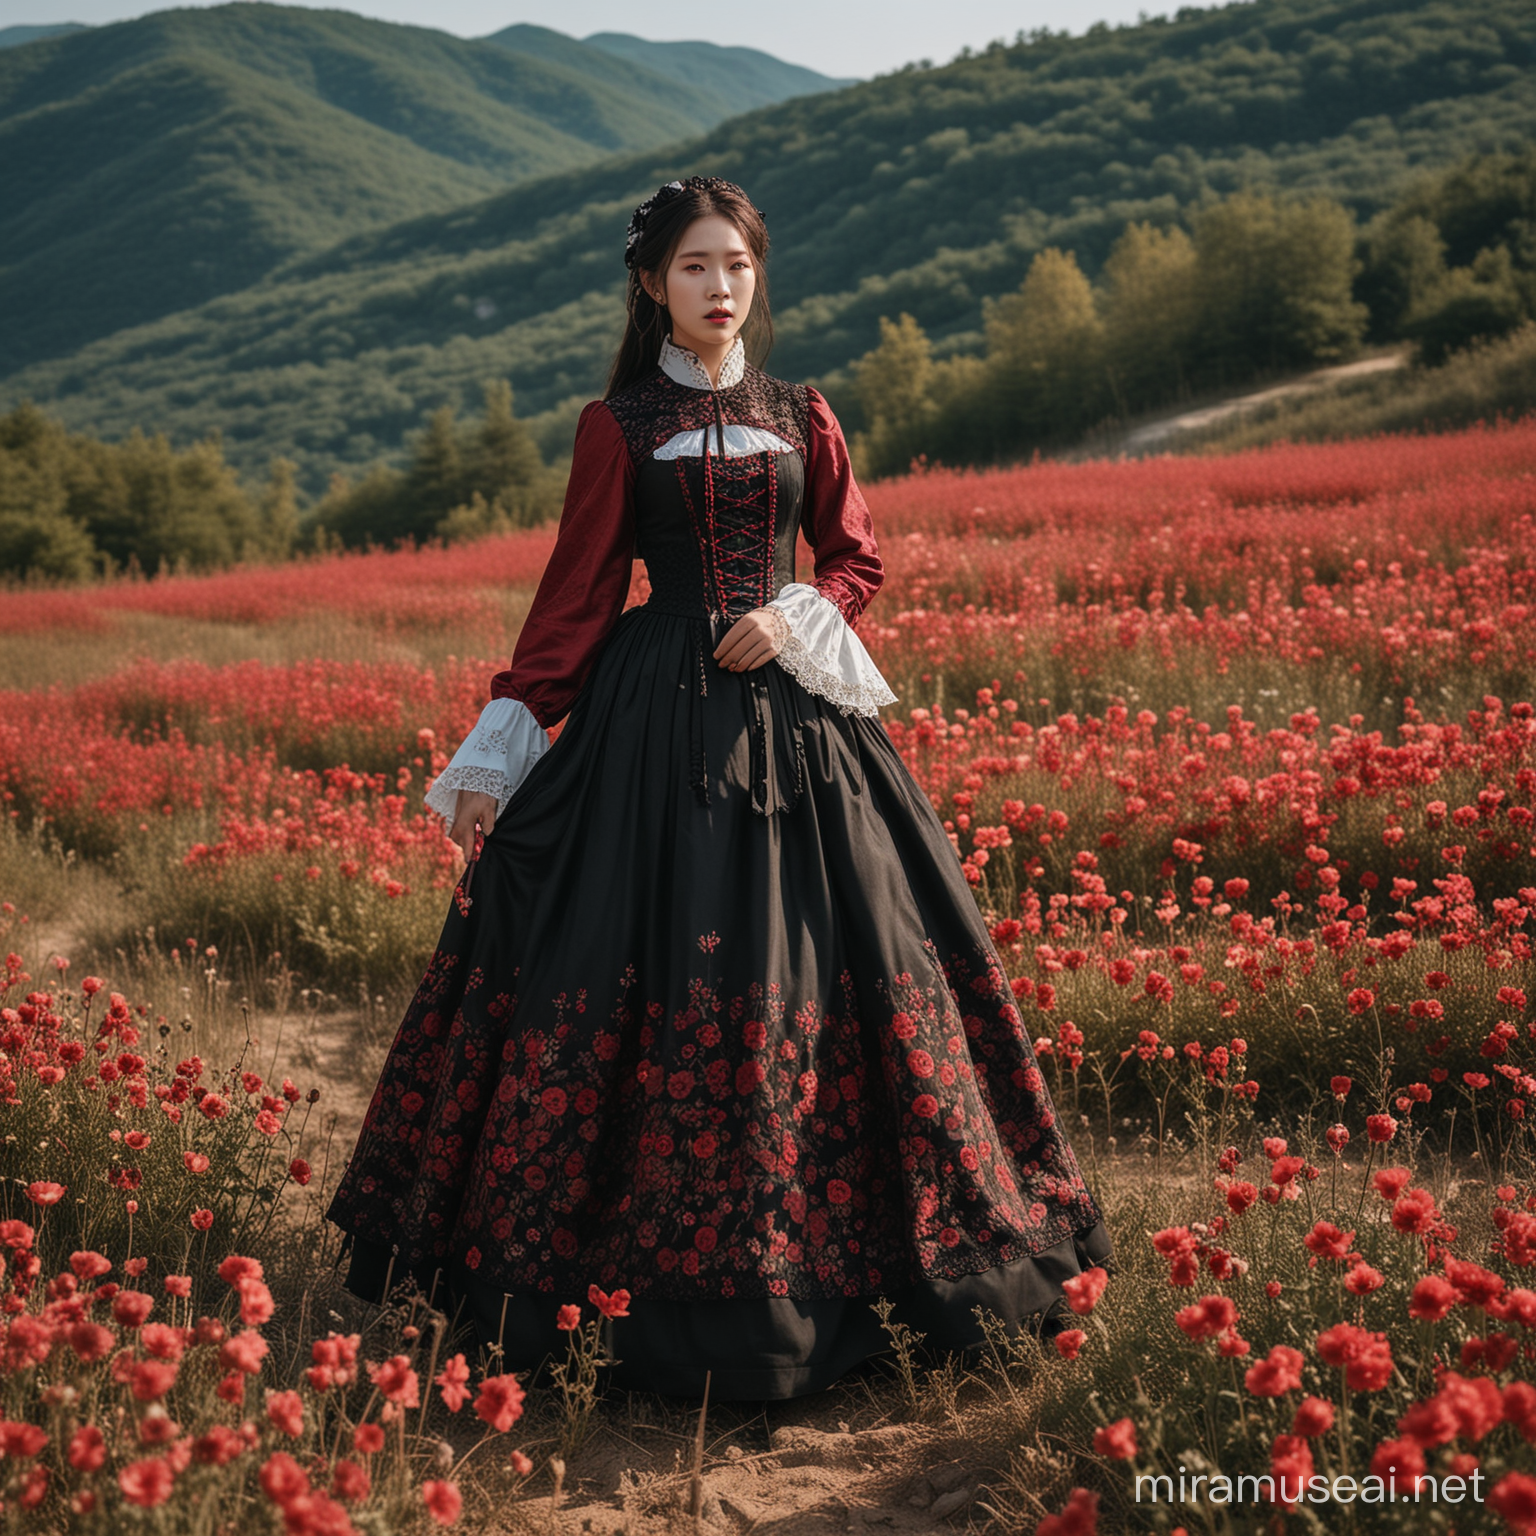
(717, 534)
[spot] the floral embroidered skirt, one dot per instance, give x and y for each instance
(720, 1024)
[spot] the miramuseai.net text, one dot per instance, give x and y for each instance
(1217, 1488)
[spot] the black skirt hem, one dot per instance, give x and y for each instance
(757, 1348)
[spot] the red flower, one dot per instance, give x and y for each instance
(925, 1105)
(1361, 1280)
(130, 1308)
(1275, 1375)
(1207, 1317)
(1083, 1291)
(21, 1441)
(442, 1501)
(1380, 1128)
(150, 1380)
(568, 1317)
(1414, 1212)
(1240, 1195)
(1389, 1182)
(838, 1192)
(45, 1193)
(1340, 1086)
(90, 1341)
(1116, 1441)
(1291, 1464)
(368, 1439)
(244, 1352)
(350, 1482)
(283, 1480)
(1069, 1343)
(1514, 1497)
(1079, 1517)
(202, 1220)
(147, 1483)
(1365, 1357)
(1327, 1242)
(451, 1381)
(299, 1171)
(1360, 1000)
(617, 1305)
(1314, 1417)
(87, 1449)
(396, 1381)
(500, 1403)
(920, 1063)
(285, 1412)
(521, 1464)
(90, 1265)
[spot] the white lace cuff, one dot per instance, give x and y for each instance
(825, 656)
(494, 759)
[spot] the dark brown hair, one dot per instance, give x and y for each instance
(647, 323)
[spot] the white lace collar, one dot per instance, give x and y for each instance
(682, 366)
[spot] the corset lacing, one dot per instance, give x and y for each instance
(738, 566)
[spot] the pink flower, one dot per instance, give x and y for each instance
(45, 1193)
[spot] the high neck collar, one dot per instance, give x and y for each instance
(682, 366)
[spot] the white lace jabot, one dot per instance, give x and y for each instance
(683, 367)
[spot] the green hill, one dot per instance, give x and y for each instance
(928, 190)
(712, 82)
(151, 165)
(14, 37)
(743, 77)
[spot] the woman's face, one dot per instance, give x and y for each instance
(708, 285)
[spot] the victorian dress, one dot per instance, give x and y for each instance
(714, 1017)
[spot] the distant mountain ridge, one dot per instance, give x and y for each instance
(153, 164)
(14, 37)
(928, 191)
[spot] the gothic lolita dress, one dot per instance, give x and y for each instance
(714, 1017)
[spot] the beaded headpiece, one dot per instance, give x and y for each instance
(664, 195)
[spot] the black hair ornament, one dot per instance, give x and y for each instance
(663, 195)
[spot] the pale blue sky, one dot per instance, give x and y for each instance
(838, 37)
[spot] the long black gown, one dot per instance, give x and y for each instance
(714, 1016)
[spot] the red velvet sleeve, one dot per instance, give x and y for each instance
(582, 591)
(836, 519)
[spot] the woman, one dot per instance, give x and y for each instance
(714, 1018)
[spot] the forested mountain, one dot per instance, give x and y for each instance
(153, 164)
(743, 77)
(713, 82)
(14, 37)
(927, 191)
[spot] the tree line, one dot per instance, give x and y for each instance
(1238, 288)
(72, 507)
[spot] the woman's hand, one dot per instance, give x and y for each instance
(754, 639)
(472, 807)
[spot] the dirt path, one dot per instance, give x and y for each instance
(1150, 434)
